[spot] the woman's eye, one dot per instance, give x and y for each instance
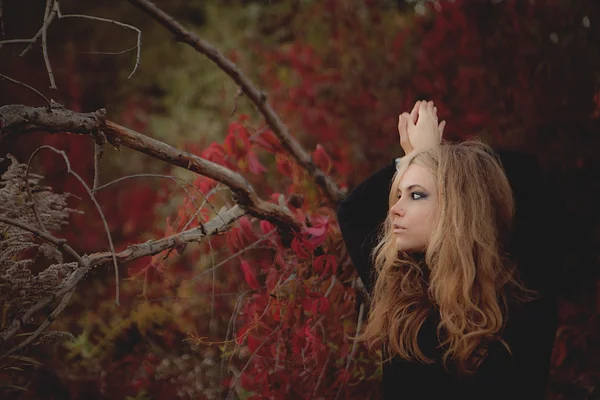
(414, 195)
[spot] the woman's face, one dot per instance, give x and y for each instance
(414, 212)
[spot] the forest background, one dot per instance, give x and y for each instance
(266, 306)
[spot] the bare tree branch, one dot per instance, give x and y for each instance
(51, 12)
(244, 193)
(216, 226)
(18, 119)
(59, 243)
(98, 208)
(61, 306)
(139, 33)
(50, 7)
(39, 33)
(249, 89)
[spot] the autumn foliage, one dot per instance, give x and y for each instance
(269, 316)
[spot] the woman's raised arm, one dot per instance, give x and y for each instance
(365, 208)
(360, 215)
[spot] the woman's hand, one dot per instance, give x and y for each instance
(420, 130)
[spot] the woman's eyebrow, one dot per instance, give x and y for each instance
(411, 187)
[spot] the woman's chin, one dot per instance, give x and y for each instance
(401, 245)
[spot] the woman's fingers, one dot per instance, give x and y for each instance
(441, 127)
(409, 122)
(414, 114)
(403, 121)
(422, 108)
(401, 127)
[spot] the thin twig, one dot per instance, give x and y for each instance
(214, 278)
(229, 333)
(110, 53)
(265, 340)
(16, 41)
(322, 373)
(139, 33)
(170, 177)
(59, 243)
(354, 344)
(205, 201)
(49, 6)
(45, 25)
(98, 150)
(52, 11)
(235, 101)
(28, 87)
(328, 292)
(104, 222)
(242, 251)
(176, 180)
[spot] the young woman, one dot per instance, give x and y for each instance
(461, 297)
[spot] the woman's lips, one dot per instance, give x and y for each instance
(398, 228)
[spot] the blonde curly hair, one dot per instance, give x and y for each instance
(466, 276)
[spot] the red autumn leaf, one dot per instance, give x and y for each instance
(302, 247)
(316, 230)
(247, 380)
(246, 229)
(234, 239)
(268, 141)
(249, 275)
(255, 166)
(266, 226)
(325, 264)
(214, 153)
(320, 305)
(322, 159)
(276, 311)
(239, 339)
(284, 165)
(253, 343)
(272, 279)
(308, 331)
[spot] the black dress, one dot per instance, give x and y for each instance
(530, 328)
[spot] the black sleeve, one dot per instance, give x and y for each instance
(360, 215)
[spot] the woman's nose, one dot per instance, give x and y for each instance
(397, 209)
